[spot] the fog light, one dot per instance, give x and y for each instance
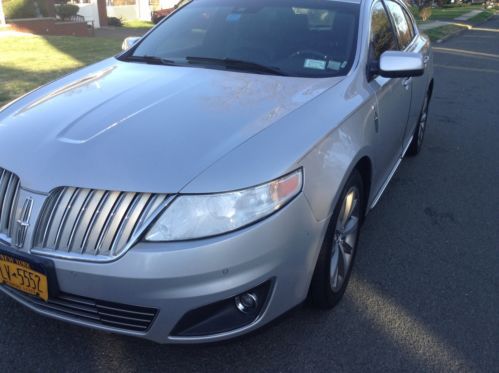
(246, 302)
(225, 315)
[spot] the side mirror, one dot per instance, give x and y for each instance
(129, 42)
(401, 64)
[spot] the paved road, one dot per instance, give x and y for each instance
(425, 291)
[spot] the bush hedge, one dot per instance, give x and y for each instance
(25, 8)
(114, 21)
(66, 11)
(19, 9)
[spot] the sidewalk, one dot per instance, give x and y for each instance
(434, 24)
(468, 15)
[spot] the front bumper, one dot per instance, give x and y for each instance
(175, 278)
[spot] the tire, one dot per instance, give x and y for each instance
(335, 262)
(419, 132)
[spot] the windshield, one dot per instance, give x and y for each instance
(291, 37)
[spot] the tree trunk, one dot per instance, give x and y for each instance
(2, 16)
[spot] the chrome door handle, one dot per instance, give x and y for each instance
(426, 59)
(376, 119)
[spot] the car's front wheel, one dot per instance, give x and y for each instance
(337, 254)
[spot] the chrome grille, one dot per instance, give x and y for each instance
(92, 222)
(9, 188)
(93, 311)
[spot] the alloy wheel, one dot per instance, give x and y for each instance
(345, 239)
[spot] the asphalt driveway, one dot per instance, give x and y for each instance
(425, 291)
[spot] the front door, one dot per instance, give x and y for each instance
(411, 42)
(393, 95)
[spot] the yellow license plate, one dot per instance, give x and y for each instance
(19, 275)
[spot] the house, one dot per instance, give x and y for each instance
(137, 9)
(34, 20)
(125, 9)
(93, 11)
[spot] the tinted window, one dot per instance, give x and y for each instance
(382, 37)
(404, 32)
(299, 37)
(411, 25)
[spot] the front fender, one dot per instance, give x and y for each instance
(331, 162)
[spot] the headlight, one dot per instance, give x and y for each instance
(204, 215)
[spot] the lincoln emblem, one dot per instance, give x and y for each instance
(23, 223)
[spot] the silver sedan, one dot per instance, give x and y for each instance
(214, 174)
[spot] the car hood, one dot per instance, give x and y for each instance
(137, 127)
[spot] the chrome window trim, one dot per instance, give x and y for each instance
(404, 9)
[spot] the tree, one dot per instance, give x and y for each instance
(2, 16)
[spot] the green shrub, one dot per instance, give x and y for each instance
(19, 9)
(114, 21)
(66, 11)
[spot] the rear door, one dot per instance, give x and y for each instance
(393, 95)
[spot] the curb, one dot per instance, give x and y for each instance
(455, 33)
(487, 19)
(458, 32)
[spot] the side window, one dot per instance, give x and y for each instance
(382, 38)
(410, 23)
(404, 31)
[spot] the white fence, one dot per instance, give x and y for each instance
(141, 10)
(167, 3)
(90, 12)
(129, 12)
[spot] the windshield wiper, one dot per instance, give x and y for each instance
(151, 60)
(236, 64)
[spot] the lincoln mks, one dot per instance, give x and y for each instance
(215, 173)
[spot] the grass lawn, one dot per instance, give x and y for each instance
(451, 12)
(27, 62)
(138, 24)
(482, 16)
(438, 33)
